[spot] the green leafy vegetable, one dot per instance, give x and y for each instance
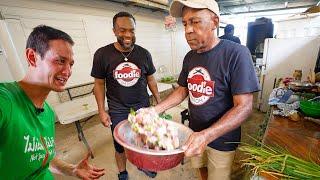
(278, 163)
(166, 116)
(132, 112)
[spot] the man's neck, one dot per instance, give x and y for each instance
(36, 93)
(215, 41)
(120, 48)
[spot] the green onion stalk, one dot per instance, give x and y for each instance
(278, 163)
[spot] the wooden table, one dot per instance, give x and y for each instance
(301, 138)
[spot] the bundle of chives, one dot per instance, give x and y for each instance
(277, 163)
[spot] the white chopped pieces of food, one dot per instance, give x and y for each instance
(153, 132)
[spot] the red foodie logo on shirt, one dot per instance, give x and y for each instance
(127, 74)
(200, 86)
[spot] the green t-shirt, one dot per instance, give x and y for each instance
(26, 137)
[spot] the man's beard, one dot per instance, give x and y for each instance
(123, 45)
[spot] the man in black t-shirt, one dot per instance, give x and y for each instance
(228, 34)
(219, 78)
(125, 70)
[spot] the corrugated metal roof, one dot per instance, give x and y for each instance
(230, 6)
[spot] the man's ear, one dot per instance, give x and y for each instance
(215, 21)
(114, 31)
(31, 56)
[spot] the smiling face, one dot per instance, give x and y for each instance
(124, 30)
(199, 28)
(54, 69)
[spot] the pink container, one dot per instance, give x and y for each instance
(149, 159)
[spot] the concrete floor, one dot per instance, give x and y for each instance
(71, 150)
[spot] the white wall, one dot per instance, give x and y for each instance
(296, 47)
(181, 47)
(11, 55)
(299, 26)
(282, 57)
(90, 25)
(5, 73)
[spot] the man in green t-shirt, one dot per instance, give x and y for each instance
(27, 149)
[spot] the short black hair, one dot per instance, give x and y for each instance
(122, 14)
(41, 35)
(228, 28)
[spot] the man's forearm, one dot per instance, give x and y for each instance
(58, 166)
(176, 97)
(99, 93)
(152, 84)
(229, 121)
(155, 93)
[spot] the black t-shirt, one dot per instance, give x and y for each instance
(212, 78)
(126, 81)
(231, 38)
